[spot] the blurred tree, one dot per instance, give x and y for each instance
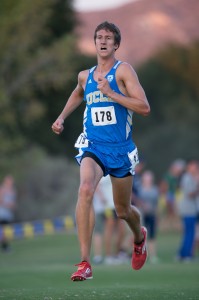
(171, 83)
(39, 61)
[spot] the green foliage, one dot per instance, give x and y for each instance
(46, 186)
(39, 63)
(38, 70)
(171, 84)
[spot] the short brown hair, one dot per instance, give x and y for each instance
(112, 28)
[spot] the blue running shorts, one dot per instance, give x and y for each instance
(117, 160)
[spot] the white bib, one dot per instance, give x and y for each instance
(103, 115)
(81, 142)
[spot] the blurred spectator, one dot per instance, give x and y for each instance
(115, 228)
(98, 238)
(113, 243)
(197, 225)
(188, 209)
(7, 206)
(197, 221)
(137, 181)
(169, 187)
(149, 195)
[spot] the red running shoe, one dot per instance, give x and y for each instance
(84, 272)
(140, 252)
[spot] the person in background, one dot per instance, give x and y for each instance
(99, 203)
(188, 210)
(137, 182)
(115, 229)
(7, 206)
(169, 187)
(149, 195)
(196, 242)
(109, 241)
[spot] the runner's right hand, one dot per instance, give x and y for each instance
(57, 126)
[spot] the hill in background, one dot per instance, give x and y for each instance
(146, 27)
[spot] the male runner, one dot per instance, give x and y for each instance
(112, 93)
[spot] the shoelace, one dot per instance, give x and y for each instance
(138, 249)
(81, 265)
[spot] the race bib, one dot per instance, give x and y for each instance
(81, 142)
(103, 116)
(133, 157)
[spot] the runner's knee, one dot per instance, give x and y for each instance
(86, 191)
(122, 212)
(127, 212)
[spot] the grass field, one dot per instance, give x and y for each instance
(40, 268)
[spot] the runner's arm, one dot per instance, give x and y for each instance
(73, 102)
(135, 98)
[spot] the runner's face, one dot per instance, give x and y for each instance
(105, 43)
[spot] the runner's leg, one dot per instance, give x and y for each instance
(90, 174)
(122, 189)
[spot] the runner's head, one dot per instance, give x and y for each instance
(112, 28)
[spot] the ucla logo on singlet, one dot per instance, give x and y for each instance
(97, 96)
(110, 78)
